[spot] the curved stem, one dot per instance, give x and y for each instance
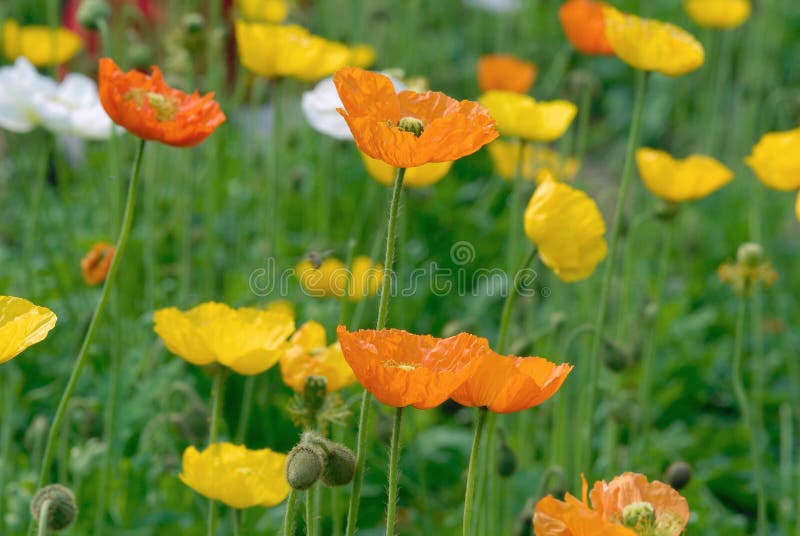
(584, 446)
(291, 512)
(394, 460)
(480, 421)
(213, 432)
(44, 513)
(383, 314)
(83, 354)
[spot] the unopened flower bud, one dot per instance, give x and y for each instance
(91, 12)
(193, 22)
(678, 475)
(615, 356)
(639, 515)
(750, 254)
(62, 508)
(340, 465)
(666, 210)
(411, 124)
(304, 465)
(314, 393)
(506, 459)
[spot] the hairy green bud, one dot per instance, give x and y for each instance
(62, 508)
(304, 465)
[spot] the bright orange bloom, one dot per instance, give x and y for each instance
(96, 263)
(508, 384)
(572, 517)
(409, 129)
(402, 369)
(149, 108)
(506, 73)
(584, 24)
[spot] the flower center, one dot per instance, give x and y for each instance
(166, 107)
(391, 363)
(411, 124)
(639, 516)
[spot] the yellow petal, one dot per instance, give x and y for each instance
(681, 180)
(41, 45)
(651, 45)
(362, 56)
(520, 116)
(365, 278)
(415, 177)
(22, 324)
(539, 163)
(775, 159)
(308, 356)
(281, 306)
(274, 11)
(721, 14)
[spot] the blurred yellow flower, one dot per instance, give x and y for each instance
(236, 475)
(651, 45)
(22, 324)
(281, 306)
(308, 355)
(681, 180)
(415, 177)
(568, 229)
(538, 163)
(331, 278)
(274, 11)
(272, 51)
(721, 14)
(247, 340)
(362, 55)
(775, 159)
(41, 45)
(521, 116)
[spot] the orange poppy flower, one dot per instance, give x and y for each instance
(96, 263)
(506, 73)
(409, 129)
(584, 23)
(402, 369)
(149, 108)
(628, 495)
(572, 517)
(508, 384)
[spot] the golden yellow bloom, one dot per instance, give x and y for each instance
(721, 14)
(247, 340)
(521, 116)
(22, 324)
(415, 177)
(538, 163)
(272, 51)
(568, 229)
(362, 55)
(651, 45)
(281, 306)
(41, 45)
(236, 475)
(308, 355)
(681, 180)
(274, 11)
(776, 160)
(332, 278)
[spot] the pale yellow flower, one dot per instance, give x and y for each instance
(310, 355)
(681, 180)
(521, 116)
(22, 324)
(415, 177)
(720, 14)
(41, 45)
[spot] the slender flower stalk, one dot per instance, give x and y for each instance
(311, 516)
(213, 433)
(383, 314)
(83, 354)
(515, 230)
(480, 422)
(586, 415)
(291, 513)
(394, 460)
(44, 513)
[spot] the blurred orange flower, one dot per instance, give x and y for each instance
(96, 263)
(506, 73)
(584, 24)
(402, 369)
(506, 384)
(150, 109)
(308, 355)
(409, 129)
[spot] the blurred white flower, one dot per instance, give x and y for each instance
(29, 99)
(497, 6)
(320, 104)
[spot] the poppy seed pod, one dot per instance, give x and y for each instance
(340, 465)
(411, 124)
(678, 475)
(304, 466)
(62, 507)
(639, 515)
(91, 12)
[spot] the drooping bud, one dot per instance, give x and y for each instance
(36, 433)
(340, 465)
(639, 515)
(91, 12)
(304, 465)
(615, 356)
(411, 124)
(62, 508)
(314, 393)
(506, 459)
(678, 475)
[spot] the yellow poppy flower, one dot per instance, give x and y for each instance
(247, 340)
(22, 324)
(332, 279)
(236, 475)
(362, 56)
(568, 229)
(41, 45)
(308, 355)
(521, 116)
(415, 177)
(538, 163)
(274, 11)
(271, 51)
(281, 306)
(651, 45)
(681, 180)
(721, 14)
(775, 159)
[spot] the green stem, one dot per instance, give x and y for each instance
(747, 418)
(394, 461)
(244, 412)
(6, 431)
(291, 512)
(508, 304)
(584, 117)
(383, 314)
(44, 513)
(213, 433)
(33, 217)
(480, 422)
(83, 354)
(583, 447)
(311, 493)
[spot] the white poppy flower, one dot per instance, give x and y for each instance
(74, 108)
(320, 104)
(497, 6)
(19, 83)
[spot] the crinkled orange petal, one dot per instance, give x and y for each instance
(584, 26)
(572, 518)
